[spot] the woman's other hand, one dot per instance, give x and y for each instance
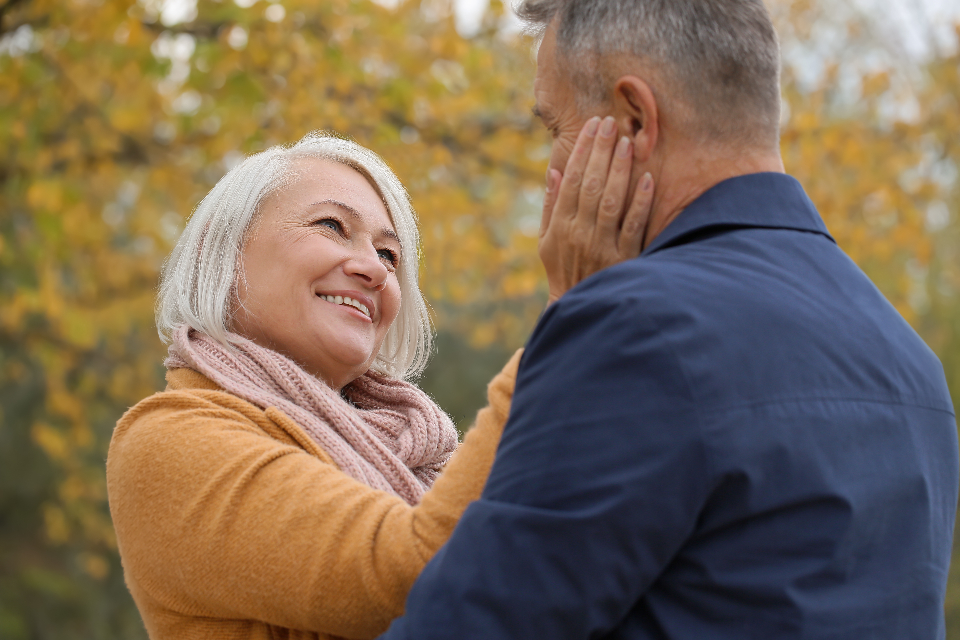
(587, 225)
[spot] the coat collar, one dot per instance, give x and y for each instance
(763, 200)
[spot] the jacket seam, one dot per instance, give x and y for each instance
(844, 399)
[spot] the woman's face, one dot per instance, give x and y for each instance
(320, 270)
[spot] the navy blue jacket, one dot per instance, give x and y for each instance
(733, 436)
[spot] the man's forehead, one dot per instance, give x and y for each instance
(546, 52)
(546, 82)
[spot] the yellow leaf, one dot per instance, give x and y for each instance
(51, 440)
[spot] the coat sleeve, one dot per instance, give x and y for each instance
(598, 482)
(216, 519)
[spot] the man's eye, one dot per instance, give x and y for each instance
(388, 256)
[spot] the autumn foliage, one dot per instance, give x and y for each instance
(117, 116)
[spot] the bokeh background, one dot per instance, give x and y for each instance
(117, 116)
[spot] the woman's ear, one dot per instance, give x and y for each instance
(635, 108)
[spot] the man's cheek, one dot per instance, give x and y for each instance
(560, 153)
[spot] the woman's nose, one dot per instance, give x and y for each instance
(366, 265)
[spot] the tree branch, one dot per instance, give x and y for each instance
(195, 29)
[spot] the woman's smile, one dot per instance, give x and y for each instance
(352, 300)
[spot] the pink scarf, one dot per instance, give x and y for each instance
(387, 434)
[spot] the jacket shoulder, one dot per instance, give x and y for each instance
(194, 407)
(171, 405)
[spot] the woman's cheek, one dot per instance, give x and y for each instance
(395, 299)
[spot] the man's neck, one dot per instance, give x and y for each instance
(684, 177)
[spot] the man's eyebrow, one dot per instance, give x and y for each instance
(546, 119)
(356, 215)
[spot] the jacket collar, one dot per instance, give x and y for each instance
(763, 200)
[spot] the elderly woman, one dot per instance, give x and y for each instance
(288, 483)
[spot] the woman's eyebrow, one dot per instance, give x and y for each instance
(356, 215)
(342, 205)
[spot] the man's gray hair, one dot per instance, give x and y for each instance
(719, 58)
(198, 284)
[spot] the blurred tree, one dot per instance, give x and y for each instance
(116, 117)
(936, 285)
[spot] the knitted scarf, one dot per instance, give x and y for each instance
(387, 433)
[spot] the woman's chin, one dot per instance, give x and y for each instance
(340, 368)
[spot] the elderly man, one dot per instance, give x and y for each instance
(733, 435)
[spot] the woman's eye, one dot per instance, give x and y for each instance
(388, 256)
(330, 223)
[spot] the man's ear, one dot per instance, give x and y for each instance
(635, 109)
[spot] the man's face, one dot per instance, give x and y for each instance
(556, 103)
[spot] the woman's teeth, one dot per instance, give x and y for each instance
(347, 301)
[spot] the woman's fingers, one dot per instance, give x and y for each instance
(592, 188)
(587, 223)
(573, 174)
(634, 228)
(613, 203)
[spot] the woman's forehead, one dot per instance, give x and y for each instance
(317, 183)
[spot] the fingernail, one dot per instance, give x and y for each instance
(646, 182)
(592, 125)
(623, 147)
(609, 126)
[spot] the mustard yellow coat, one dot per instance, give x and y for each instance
(233, 523)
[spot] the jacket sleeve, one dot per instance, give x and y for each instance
(598, 482)
(215, 519)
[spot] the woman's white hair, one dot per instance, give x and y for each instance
(198, 280)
